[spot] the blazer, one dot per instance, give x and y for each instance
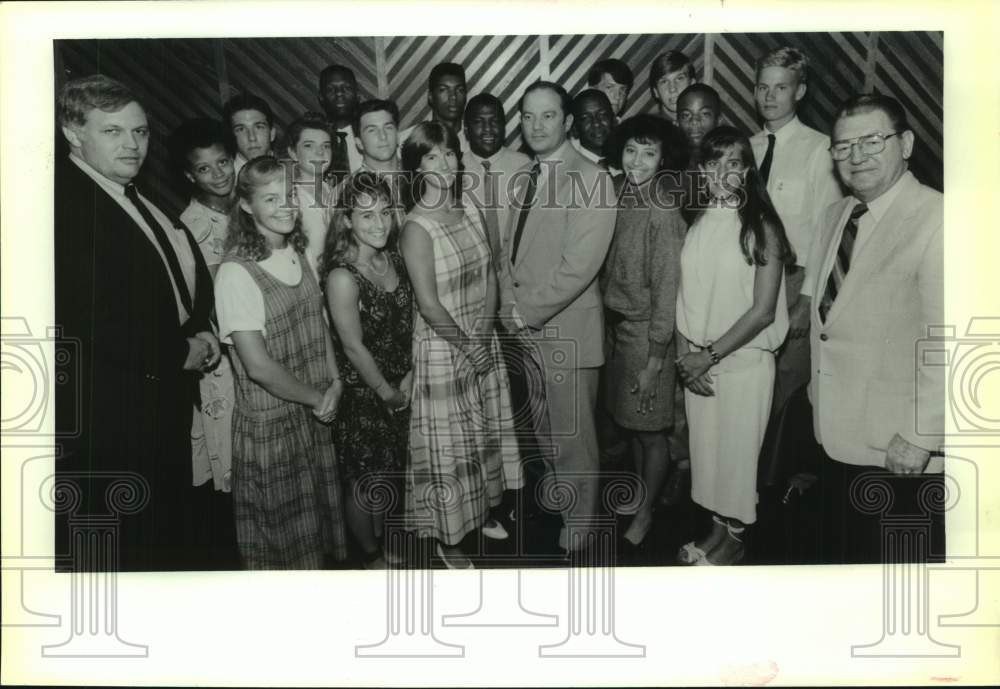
(566, 236)
(868, 383)
(131, 410)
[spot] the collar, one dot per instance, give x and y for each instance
(787, 131)
(558, 155)
(877, 208)
(585, 152)
(108, 185)
(493, 159)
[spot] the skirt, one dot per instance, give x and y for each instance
(726, 432)
(626, 351)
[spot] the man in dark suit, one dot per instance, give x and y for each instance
(132, 288)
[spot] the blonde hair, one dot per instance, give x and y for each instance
(790, 58)
(244, 239)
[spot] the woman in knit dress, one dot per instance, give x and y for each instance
(731, 316)
(286, 490)
(639, 284)
(463, 448)
(371, 309)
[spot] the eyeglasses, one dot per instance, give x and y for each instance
(870, 144)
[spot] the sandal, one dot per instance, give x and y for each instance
(734, 533)
(690, 554)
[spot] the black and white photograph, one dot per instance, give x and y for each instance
(417, 318)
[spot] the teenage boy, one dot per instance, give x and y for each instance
(446, 91)
(251, 124)
(338, 94)
(699, 110)
(669, 75)
(489, 165)
(795, 165)
(593, 123)
(615, 79)
(376, 134)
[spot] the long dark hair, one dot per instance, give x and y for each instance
(757, 213)
(424, 137)
(244, 239)
(340, 246)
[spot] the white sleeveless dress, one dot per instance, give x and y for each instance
(727, 430)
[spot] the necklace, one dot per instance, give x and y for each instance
(371, 266)
(222, 211)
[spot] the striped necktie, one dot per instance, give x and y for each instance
(842, 263)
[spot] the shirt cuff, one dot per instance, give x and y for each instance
(516, 317)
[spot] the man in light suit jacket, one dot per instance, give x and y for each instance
(553, 248)
(875, 278)
(132, 288)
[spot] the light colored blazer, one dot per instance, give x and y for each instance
(566, 237)
(868, 383)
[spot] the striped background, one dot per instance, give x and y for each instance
(182, 78)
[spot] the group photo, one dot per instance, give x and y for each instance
(501, 301)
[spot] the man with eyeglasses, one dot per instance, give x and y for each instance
(876, 280)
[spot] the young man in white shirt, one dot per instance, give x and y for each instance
(795, 165)
(489, 165)
(593, 124)
(338, 94)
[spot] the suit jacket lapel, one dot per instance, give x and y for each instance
(885, 239)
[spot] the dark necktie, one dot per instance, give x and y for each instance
(341, 161)
(842, 263)
(526, 202)
(165, 246)
(765, 165)
(490, 210)
(603, 163)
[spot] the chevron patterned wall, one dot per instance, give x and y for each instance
(183, 78)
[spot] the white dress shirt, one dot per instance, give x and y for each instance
(802, 181)
(354, 157)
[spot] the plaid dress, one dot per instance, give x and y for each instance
(286, 491)
(463, 447)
